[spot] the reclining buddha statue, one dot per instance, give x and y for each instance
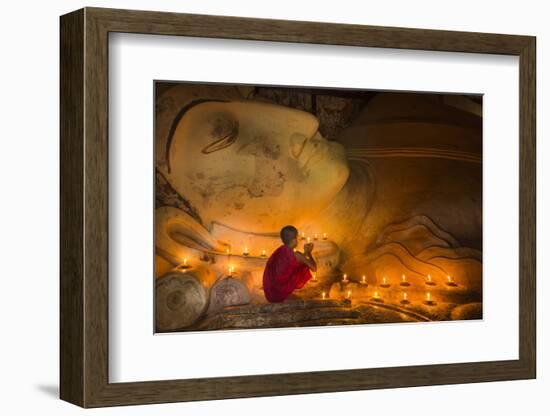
(394, 198)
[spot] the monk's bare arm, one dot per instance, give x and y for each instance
(307, 259)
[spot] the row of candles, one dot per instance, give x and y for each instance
(385, 283)
(315, 237)
(377, 298)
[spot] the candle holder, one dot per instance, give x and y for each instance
(264, 254)
(404, 281)
(404, 301)
(376, 297)
(429, 301)
(451, 282)
(430, 282)
(183, 266)
(384, 283)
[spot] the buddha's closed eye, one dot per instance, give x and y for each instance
(224, 131)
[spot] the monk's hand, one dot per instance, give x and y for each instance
(308, 247)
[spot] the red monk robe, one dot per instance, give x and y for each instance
(283, 273)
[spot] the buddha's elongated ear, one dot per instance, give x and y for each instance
(177, 120)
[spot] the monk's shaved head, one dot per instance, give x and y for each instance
(288, 233)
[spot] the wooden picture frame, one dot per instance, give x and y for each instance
(84, 207)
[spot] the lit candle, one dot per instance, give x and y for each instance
(245, 253)
(345, 279)
(348, 294)
(404, 281)
(404, 295)
(309, 240)
(364, 279)
(430, 282)
(405, 301)
(303, 235)
(231, 270)
(376, 296)
(227, 250)
(450, 281)
(324, 236)
(429, 300)
(264, 253)
(324, 295)
(184, 266)
(385, 282)
(314, 275)
(315, 237)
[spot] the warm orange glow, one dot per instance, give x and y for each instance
(227, 250)
(309, 239)
(348, 294)
(404, 295)
(314, 275)
(364, 279)
(324, 295)
(185, 261)
(376, 295)
(263, 253)
(428, 296)
(315, 236)
(345, 278)
(449, 278)
(403, 278)
(245, 251)
(429, 278)
(324, 236)
(384, 280)
(231, 270)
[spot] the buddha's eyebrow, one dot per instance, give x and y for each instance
(176, 121)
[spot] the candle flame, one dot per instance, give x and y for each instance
(429, 278)
(384, 280)
(403, 277)
(324, 295)
(324, 236)
(376, 293)
(345, 277)
(349, 294)
(449, 278)
(185, 261)
(404, 295)
(364, 278)
(428, 296)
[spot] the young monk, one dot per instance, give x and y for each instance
(286, 269)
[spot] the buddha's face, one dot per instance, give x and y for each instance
(254, 166)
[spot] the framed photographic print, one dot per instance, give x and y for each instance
(255, 207)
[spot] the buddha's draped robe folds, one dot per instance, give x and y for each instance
(283, 273)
